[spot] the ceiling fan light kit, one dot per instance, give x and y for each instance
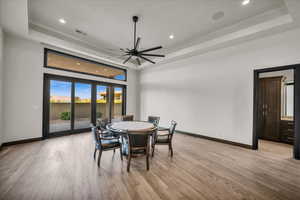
(135, 52)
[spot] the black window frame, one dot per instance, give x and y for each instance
(46, 50)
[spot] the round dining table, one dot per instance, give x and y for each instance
(135, 126)
(122, 127)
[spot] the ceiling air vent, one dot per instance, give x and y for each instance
(80, 32)
(218, 15)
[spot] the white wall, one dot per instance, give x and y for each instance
(23, 88)
(212, 94)
(132, 94)
(1, 83)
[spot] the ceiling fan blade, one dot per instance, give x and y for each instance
(154, 55)
(124, 51)
(137, 43)
(147, 59)
(127, 59)
(151, 49)
(138, 61)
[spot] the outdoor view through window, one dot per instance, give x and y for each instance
(60, 114)
(76, 103)
(60, 106)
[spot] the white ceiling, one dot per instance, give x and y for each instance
(109, 27)
(16, 21)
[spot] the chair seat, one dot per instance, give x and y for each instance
(162, 139)
(162, 129)
(138, 151)
(105, 132)
(108, 133)
(162, 133)
(107, 144)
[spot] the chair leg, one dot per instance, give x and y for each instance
(121, 153)
(95, 153)
(171, 148)
(147, 161)
(153, 148)
(114, 150)
(128, 162)
(99, 157)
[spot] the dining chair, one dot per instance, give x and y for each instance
(104, 143)
(138, 144)
(127, 118)
(101, 124)
(164, 139)
(154, 120)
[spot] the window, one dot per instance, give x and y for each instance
(289, 100)
(117, 105)
(60, 105)
(71, 104)
(102, 102)
(62, 61)
(82, 105)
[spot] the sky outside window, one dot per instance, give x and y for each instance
(60, 91)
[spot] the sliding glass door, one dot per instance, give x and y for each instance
(71, 105)
(102, 102)
(82, 105)
(117, 104)
(60, 106)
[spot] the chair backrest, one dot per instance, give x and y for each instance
(138, 139)
(154, 120)
(96, 135)
(101, 123)
(172, 130)
(172, 127)
(127, 118)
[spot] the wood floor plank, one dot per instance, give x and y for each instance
(64, 168)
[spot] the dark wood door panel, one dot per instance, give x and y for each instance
(270, 108)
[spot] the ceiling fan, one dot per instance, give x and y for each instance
(135, 52)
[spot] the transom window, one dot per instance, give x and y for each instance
(66, 62)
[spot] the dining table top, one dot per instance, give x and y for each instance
(124, 126)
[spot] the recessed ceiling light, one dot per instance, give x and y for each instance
(78, 63)
(245, 2)
(171, 36)
(62, 21)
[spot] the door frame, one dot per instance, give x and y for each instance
(46, 102)
(296, 68)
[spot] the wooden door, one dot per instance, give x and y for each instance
(270, 108)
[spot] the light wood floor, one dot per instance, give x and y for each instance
(277, 149)
(63, 168)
